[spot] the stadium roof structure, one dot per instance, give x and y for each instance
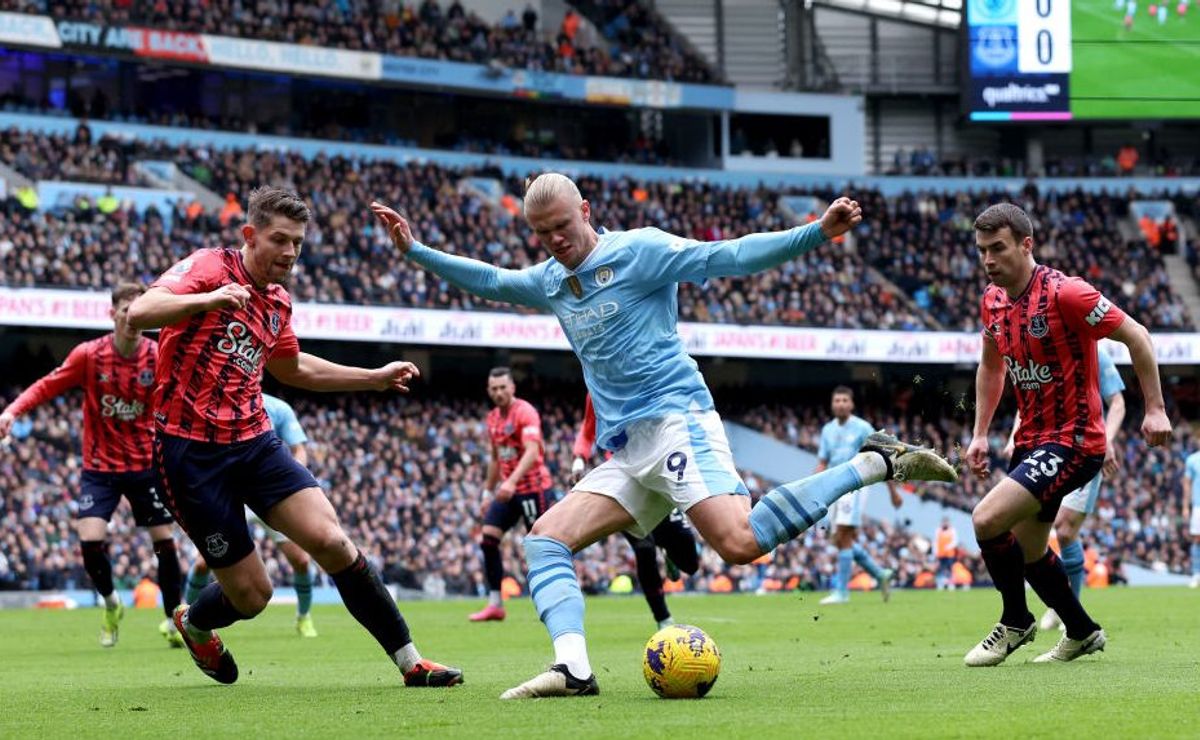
(941, 13)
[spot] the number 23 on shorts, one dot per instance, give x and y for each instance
(1042, 463)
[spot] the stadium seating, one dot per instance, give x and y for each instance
(405, 475)
(921, 244)
(635, 43)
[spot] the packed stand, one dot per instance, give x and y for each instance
(1126, 161)
(411, 29)
(405, 476)
(349, 259)
(925, 243)
(639, 38)
(1139, 516)
(922, 243)
(77, 157)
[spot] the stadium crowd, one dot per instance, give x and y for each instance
(921, 243)
(1139, 517)
(347, 258)
(405, 475)
(634, 43)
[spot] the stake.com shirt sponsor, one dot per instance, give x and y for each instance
(208, 385)
(1047, 337)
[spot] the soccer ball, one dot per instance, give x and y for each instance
(681, 662)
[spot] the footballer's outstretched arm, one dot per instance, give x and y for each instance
(159, 307)
(313, 373)
(989, 386)
(68, 375)
(757, 252)
(478, 278)
(1156, 427)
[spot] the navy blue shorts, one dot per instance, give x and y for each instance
(1050, 472)
(206, 485)
(100, 493)
(504, 515)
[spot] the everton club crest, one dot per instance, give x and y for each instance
(1038, 327)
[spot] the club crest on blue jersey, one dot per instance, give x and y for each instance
(1038, 327)
(604, 276)
(146, 377)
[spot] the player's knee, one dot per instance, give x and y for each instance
(985, 522)
(250, 598)
(737, 549)
(332, 549)
(541, 528)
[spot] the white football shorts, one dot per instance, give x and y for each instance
(671, 462)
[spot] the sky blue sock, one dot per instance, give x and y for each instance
(302, 582)
(841, 582)
(1196, 558)
(1072, 560)
(866, 562)
(553, 585)
(195, 584)
(784, 512)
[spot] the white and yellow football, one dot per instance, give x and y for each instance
(681, 662)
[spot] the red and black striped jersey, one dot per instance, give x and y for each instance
(117, 398)
(1047, 337)
(210, 365)
(508, 430)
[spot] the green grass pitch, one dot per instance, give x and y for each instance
(791, 669)
(1148, 71)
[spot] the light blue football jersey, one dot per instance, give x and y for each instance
(1193, 472)
(1110, 378)
(619, 310)
(840, 442)
(283, 421)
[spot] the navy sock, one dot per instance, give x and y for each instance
(97, 565)
(1049, 581)
(213, 610)
(1006, 565)
(369, 602)
(170, 578)
(493, 566)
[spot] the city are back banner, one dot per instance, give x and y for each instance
(302, 59)
(72, 309)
